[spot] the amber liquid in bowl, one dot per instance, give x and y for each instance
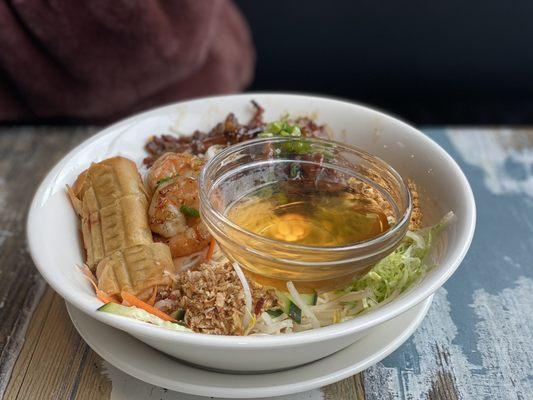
(311, 218)
(306, 217)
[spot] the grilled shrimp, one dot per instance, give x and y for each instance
(173, 164)
(173, 211)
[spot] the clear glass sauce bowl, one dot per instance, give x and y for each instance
(246, 167)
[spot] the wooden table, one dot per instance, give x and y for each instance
(475, 343)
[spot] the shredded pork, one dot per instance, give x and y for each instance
(225, 133)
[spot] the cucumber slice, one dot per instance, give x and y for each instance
(290, 308)
(284, 302)
(140, 315)
(295, 313)
(309, 298)
(117, 309)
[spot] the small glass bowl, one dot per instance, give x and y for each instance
(249, 166)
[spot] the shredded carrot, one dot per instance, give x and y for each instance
(151, 300)
(134, 301)
(102, 296)
(210, 250)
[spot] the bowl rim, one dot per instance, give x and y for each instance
(228, 151)
(361, 323)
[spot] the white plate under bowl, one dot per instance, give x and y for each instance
(55, 246)
(149, 365)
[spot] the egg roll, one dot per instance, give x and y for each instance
(136, 270)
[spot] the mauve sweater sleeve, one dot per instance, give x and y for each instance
(96, 59)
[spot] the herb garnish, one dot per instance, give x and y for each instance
(283, 128)
(189, 211)
(299, 145)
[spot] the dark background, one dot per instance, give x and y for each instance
(429, 62)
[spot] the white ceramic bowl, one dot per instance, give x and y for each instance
(55, 244)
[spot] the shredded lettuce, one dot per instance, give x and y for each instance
(401, 269)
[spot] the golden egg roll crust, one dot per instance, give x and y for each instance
(136, 270)
(107, 181)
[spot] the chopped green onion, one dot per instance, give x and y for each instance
(281, 128)
(189, 211)
(300, 146)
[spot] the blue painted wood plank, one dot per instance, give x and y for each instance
(478, 334)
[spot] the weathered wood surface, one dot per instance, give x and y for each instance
(475, 342)
(26, 154)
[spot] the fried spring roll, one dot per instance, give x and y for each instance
(135, 270)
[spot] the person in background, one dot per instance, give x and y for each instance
(96, 60)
